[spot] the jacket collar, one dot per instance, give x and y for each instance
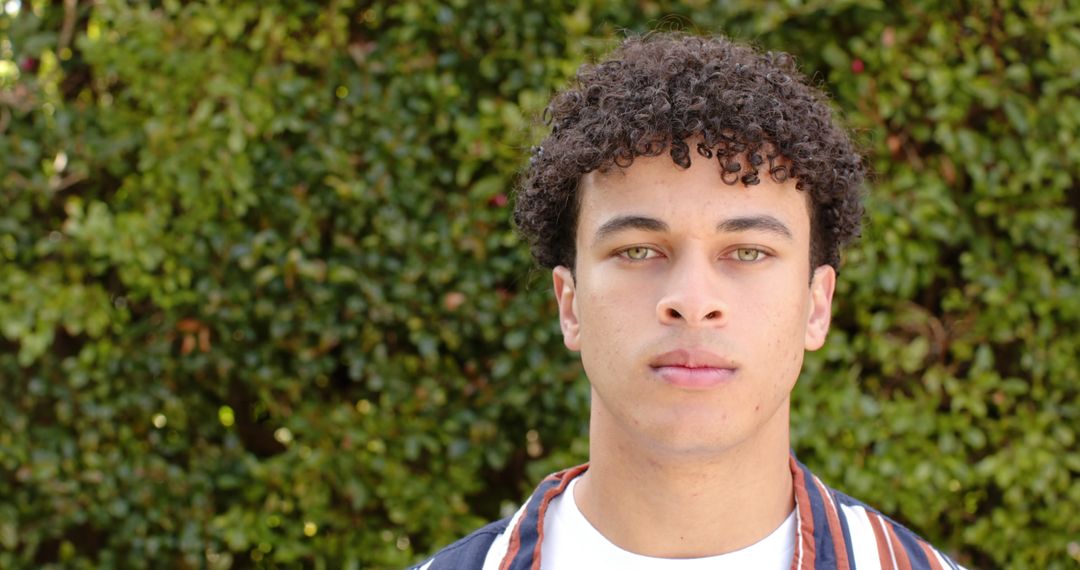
(821, 537)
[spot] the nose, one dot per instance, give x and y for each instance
(693, 296)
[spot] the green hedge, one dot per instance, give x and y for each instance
(261, 304)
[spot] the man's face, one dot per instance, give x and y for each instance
(690, 304)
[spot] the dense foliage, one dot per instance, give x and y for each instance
(261, 303)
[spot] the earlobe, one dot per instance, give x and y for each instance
(820, 312)
(566, 295)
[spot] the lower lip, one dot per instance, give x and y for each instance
(695, 378)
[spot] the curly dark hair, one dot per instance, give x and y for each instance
(748, 110)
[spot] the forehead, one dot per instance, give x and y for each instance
(684, 198)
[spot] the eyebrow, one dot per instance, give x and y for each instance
(759, 223)
(731, 225)
(623, 223)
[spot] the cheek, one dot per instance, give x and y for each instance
(610, 299)
(601, 318)
(778, 328)
(617, 321)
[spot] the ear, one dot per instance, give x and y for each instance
(820, 312)
(566, 295)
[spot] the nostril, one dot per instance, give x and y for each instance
(713, 315)
(674, 314)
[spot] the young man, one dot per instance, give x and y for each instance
(692, 200)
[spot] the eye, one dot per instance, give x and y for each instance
(638, 253)
(749, 254)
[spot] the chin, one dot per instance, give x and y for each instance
(695, 448)
(713, 431)
(695, 437)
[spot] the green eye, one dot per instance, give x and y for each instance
(637, 253)
(748, 254)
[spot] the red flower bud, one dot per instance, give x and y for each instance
(857, 66)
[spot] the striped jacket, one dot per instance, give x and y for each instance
(833, 532)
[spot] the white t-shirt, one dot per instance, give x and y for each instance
(571, 542)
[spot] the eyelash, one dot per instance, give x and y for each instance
(733, 254)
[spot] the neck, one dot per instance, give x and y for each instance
(666, 504)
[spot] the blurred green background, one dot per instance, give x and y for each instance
(262, 306)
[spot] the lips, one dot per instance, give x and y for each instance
(693, 369)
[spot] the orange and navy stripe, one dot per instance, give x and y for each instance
(527, 536)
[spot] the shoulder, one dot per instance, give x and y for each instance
(873, 535)
(490, 545)
(467, 553)
(838, 531)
